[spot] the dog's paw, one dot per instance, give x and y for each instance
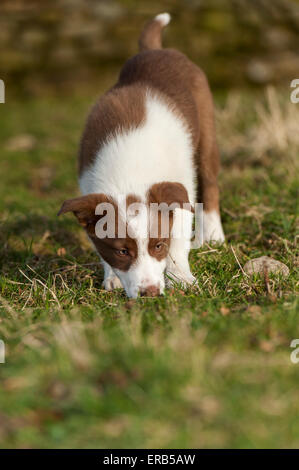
(212, 228)
(176, 277)
(112, 282)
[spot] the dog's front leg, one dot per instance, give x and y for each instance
(111, 281)
(178, 269)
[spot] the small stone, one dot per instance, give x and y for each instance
(258, 265)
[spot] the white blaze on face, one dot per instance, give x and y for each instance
(146, 271)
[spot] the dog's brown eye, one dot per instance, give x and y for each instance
(122, 252)
(159, 246)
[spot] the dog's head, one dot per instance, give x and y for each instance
(131, 235)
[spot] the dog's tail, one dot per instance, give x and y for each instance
(150, 37)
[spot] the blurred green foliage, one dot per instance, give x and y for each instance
(64, 45)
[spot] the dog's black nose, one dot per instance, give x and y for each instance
(149, 291)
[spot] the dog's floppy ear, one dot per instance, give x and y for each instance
(84, 209)
(170, 193)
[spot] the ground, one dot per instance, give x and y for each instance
(208, 367)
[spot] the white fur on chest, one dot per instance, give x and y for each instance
(132, 161)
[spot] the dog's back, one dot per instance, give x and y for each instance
(150, 114)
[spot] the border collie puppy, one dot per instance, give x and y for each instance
(149, 141)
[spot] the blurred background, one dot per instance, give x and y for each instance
(51, 46)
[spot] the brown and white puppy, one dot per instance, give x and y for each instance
(149, 140)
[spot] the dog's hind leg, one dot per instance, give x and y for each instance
(207, 161)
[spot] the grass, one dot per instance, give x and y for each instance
(202, 368)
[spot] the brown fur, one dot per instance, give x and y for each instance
(187, 90)
(107, 248)
(169, 193)
(84, 209)
(119, 109)
(150, 37)
(184, 87)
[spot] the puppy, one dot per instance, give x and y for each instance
(149, 141)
